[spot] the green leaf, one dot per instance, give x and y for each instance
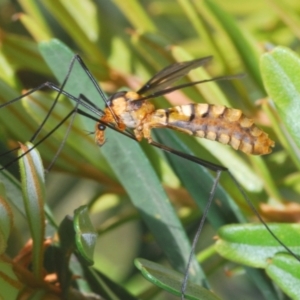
(245, 48)
(253, 245)
(136, 14)
(6, 70)
(171, 281)
(24, 54)
(85, 15)
(13, 191)
(144, 188)
(200, 189)
(104, 286)
(38, 294)
(37, 31)
(32, 178)
(6, 219)
(37, 21)
(67, 15)
(211, 91)
(9, 282)
(255, 22)
(62, 254)
(130, 165)
(285, 271)
(280, 70)
(86, 235)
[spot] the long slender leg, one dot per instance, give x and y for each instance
(81, 100)
(218, 169)
(41, 140)
(63, 142)
(196, 237)
(54, 102)
(75, 58)
(95, 83)
(60, 91)
(86, 103)
(40, 87)
(260, 218)
(209, 165)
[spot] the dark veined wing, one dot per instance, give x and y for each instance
(181, 86)
(170, 74)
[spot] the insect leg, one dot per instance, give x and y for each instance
(260, 218)
(95, 83)
(63, 142)
(83, 101)
(99, 112)
(199, 229)
(209, 165)
(41, 140)
(213, 191)
(46, 84)
(40, 87)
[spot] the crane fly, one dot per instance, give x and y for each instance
(132, 110)
(214, 122)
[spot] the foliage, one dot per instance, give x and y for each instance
(125, 182)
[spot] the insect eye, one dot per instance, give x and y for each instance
(101, 127)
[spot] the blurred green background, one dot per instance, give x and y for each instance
(124, 43)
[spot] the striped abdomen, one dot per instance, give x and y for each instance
(217, 123)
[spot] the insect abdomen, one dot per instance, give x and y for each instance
(219, 123)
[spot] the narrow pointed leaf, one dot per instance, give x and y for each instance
(246, 49)
(32, 178)
(86, 235)
(171, 281)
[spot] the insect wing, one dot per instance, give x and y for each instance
(170, 74)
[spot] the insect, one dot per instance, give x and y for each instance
(132, 110)
(213, 122)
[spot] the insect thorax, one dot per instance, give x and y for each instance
(129, 110)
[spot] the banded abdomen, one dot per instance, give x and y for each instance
(218, 123)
